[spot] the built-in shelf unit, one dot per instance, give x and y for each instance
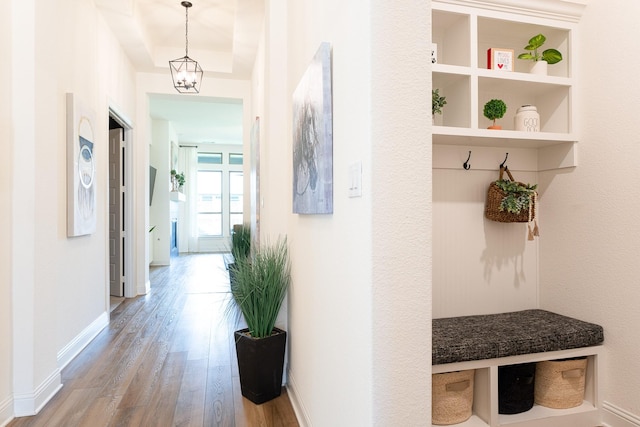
(464, 30)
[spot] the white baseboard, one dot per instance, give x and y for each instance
(30, 403)
(73, 348)
(296, 402)
(617, 417)
(6, 411)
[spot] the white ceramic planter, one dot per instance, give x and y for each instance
(539, 67)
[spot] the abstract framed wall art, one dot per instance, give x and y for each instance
(81, 169)
(313, 137)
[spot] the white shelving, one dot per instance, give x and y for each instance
(464, 30)
(485, 404)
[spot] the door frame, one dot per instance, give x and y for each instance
(129, 268)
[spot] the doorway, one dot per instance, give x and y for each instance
(119, 207)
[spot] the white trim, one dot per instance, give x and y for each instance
(564, 10)
(617, 417)
(296, 402)
(76, 345)
(146, 287)
(6, 411)
(31, 403)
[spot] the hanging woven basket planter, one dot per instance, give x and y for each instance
(511, 201)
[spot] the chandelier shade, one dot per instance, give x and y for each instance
(186, 73)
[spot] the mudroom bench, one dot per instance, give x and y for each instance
(486, 342)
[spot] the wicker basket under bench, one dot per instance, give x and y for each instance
(485, 342)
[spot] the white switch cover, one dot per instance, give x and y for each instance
(355, 179)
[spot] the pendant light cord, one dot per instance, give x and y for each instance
(186, 31)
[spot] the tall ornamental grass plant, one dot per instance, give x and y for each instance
(260, 285)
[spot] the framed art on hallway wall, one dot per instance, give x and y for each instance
(313, 137)
(81, 169)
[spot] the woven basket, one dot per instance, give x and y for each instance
(494, 199)
(516, 388)
(560, 383)
(452, 397)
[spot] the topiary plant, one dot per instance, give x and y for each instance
(494, 110)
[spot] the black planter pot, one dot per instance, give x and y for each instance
(260, 364)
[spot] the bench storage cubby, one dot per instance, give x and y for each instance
(452, 397)
(487, 342)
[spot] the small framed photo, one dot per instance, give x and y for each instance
(500, 59)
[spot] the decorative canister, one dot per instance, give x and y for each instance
(527, 119)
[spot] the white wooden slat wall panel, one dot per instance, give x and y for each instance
(479, 266)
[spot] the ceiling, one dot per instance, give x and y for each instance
(223, 38)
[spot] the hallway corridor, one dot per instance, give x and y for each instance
(165, 359)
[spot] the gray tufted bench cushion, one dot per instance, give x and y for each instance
(460, 339)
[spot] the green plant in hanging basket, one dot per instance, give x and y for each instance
(518, 196)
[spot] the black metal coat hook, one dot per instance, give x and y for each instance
(466, 165)
(503, 165)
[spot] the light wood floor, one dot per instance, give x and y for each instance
(166, 359)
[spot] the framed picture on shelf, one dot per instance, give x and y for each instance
(500, 59)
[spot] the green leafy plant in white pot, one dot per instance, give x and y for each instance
(259, 287)
(540, 59)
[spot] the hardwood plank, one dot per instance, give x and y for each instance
(190, 408)
(219, 403)
(72, 409)
(100, 412)
(161, 408)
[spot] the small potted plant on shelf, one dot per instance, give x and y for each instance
(437, 102)
(260, 285)
(177, 180)
(540, 59)
(494, 110)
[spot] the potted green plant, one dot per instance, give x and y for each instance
(241, 240)
(540, 59)
(494, 110)
(177, 180)
(437, 102)
(259, 287)
(517, 195)
(240, 246)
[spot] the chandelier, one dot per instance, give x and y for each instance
(185, 72)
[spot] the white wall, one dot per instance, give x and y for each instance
(480, 266)
(59, 285)
(6, 193)
(359, 307)
(162, 135)
(589, 251)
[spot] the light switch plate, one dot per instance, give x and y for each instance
(355, 179)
